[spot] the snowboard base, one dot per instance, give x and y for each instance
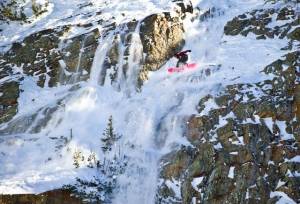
(182, 68)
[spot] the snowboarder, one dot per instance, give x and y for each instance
(182, 57)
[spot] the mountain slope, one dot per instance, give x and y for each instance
(227, 131)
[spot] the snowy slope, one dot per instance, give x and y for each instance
(152, 119)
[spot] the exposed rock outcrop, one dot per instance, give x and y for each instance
(244, 151)
(47, 59)
(9, 93)
(53, 58)
(19, 10)
(53, 197)
(245, 147)
(77, 57)
(162, 37)
(259, 22)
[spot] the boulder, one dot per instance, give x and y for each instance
(162, 37)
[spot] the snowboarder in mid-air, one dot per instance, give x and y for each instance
(182, 58)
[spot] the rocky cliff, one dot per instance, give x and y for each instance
(245, 147)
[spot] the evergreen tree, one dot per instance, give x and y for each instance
(109, 136)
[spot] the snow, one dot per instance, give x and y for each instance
(271, 162)
(282, 127)
(152, 120)
(239, 141)
(209, 105)
(175, 186)
(196, 181)
(231, 172)
(283, 197)
(223, 120)
(293, 174)
(61, 13)
(280, 183)
(41, 2)
(294, 159)
(247, 194)
(269, 122)
(218, 146)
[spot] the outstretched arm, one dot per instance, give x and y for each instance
(183, 52)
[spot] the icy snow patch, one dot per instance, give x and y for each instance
(209, 105)
(280, 183)
(218, 146)
(294, 159)
(284, 198)
(196, 181)
(175, 186)
(231, 172)
(269, 123)
(284, 134)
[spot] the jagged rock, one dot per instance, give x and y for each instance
(38, 55)
(9, 93)
(39, 7)
(77, 55)
(20, 10)
(285, 13)
(202, 162)
(53, 62)
(180, 161)
(258, 23)
(53, 197)
(246, 156)
(162, 37)
(11, 10)
(295, 34)
(122, 38)
(185, 7)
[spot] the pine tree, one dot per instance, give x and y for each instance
(109, 136)
(77, 158)
(92, 161)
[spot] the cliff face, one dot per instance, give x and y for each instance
(227, 140)
(244, 151)
(245, 139)
(22, 10)
(55, 57)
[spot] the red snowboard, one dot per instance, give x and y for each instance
(182, 68)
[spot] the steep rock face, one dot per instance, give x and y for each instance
(53, 197)
(244, 151)
(21, 10)
(77, 57)
(53, 58)
(162, 37)
(259, 23)
(37, 55)
(48, 59)
(247, 149)
(39, 7)
(44, 56)
(9, 93)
